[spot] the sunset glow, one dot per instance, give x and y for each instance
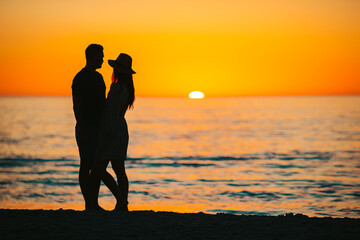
(196, 95)
(226, 48)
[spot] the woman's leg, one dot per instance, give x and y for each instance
(123, 182)
(99, 170)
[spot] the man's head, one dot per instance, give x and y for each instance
(94, 55)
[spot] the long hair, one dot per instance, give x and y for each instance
(127, 80)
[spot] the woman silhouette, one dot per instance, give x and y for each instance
(114, 136)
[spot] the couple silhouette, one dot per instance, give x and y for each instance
(101, 129)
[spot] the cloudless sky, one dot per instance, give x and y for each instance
(223, 48)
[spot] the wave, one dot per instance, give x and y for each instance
(9, 162)
(294, 155)
(240, 212)
(19, 161)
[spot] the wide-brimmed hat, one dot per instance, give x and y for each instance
(123, 63)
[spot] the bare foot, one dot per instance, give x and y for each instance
(121, 208)
(96, 208)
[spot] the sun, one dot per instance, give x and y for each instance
(196, 95)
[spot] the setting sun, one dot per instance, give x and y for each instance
(196, 95)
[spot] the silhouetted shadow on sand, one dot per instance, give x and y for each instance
(69, 224)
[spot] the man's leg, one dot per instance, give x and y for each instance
(85, 181)
(84, 141)
(87, 137)
(95, 188)
(90, 185)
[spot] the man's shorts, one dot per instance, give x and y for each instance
(87, 145)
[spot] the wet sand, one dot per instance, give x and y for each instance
(70, 224)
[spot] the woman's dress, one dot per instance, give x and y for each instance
(114, 136)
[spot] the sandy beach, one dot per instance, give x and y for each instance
(70, 224)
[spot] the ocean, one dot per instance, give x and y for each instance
(240, 155)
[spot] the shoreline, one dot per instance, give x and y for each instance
(71, 224)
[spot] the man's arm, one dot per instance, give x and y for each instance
(77, 101)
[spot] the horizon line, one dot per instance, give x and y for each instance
(186, 96)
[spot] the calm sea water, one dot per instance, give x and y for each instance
(255, 155)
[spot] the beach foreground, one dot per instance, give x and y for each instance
(70, 224)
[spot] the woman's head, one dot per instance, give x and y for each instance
(123, 74)
(123, 63)
(127, 80)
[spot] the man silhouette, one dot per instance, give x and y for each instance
(88, 94)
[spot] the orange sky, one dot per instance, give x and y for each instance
(223, 48)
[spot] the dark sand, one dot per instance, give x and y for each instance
(69, 224)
